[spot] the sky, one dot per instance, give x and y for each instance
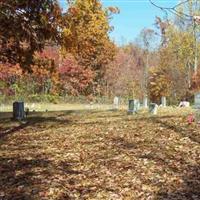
(134, 16)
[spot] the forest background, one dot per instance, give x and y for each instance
(51, 55)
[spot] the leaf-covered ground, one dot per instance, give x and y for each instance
(100, 155)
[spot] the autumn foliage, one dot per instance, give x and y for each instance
(9, 75)
(159, 84)
(59, 53)
(196, 82)
(123, 75)
(70, 52)
(74, 79)
(86, 35)
(25, 28)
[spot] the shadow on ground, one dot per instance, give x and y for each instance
(30, 179)
(18, 179)
(189, 189)
(35, 119)
(37, 122)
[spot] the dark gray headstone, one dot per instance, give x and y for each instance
(133, 106)
(18, 110)
(130, 106)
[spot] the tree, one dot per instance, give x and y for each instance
(195, 86)
(159, 84)
(74, 79)
(124, 74)
(171, 76)
(45, 70)
(86, 35)
(162, 25)
(9, 76)
(147, 38)
(25, 27)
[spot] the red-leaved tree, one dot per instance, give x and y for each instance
(45, 70)
(74, 79)
(9, 75)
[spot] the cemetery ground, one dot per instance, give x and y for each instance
(100, 155)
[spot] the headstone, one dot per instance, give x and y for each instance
(197, 100)
(91, 105)
(32, 106)
(130, 106)
(133, 106)
(184, 104)
(2, 107)
(163, 101)
(18, 110)
(145, 102)
(116, 102)
(138, 105)
(153, 108)
(197, 115)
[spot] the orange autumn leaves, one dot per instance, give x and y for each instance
(74, 60)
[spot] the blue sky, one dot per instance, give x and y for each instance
(134, 16)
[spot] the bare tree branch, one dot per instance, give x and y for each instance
(173, 10)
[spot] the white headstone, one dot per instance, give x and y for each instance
(1, 107)
(197, 100)
(138, 105)
(164, 101)
(116, 102)
(145, 102)
(32, 105)
(184, 104)
(91, 105)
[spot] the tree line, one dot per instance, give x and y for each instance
(45, 50)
